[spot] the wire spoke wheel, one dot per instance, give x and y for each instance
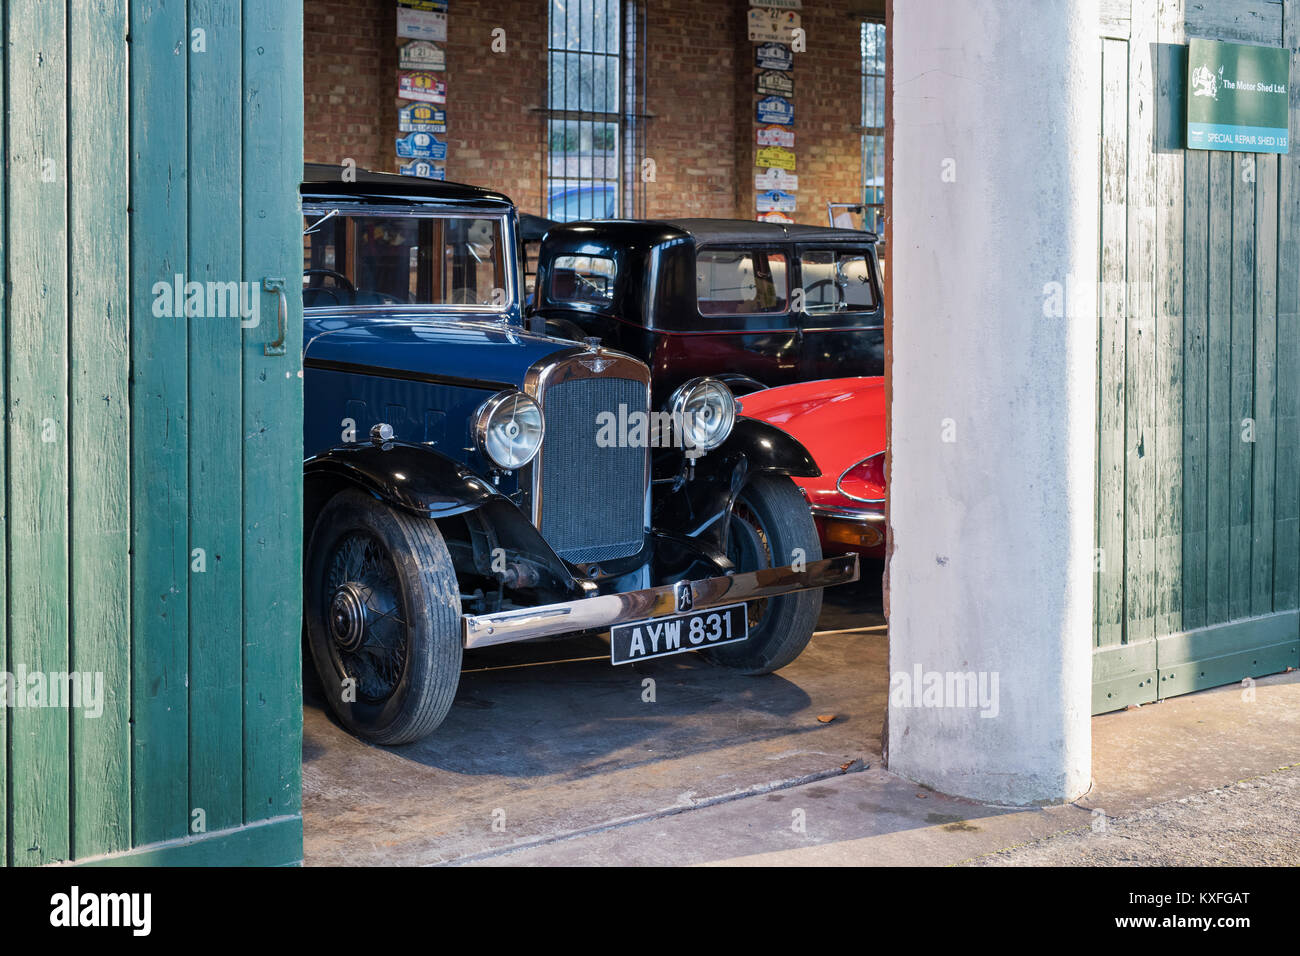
(382, 615)
(365, 615)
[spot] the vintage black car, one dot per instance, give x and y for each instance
(470, 482)
(755, 304)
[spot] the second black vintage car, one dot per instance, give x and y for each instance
(469, 482)
(756, 304)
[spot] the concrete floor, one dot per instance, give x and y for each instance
(552, 757)
(548, 740)
(1147, 763)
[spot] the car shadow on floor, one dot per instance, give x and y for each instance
(556, 739)
(558, 709)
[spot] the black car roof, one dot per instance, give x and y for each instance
(736, 230)
(321, 179)
(704, 231)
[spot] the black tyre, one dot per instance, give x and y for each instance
(382, 613)
(770, 527)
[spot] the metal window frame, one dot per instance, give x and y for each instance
(349, 214)
(873, 133)
(629, 118)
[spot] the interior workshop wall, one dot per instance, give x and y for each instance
(700, 73)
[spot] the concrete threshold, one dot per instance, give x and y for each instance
(1165, 775)
(775, 786)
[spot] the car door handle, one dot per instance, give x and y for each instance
(276, 285)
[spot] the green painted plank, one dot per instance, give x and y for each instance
(275, 842)
(1227, 653)
(272, 412)
(38, 422)
(1140, 367)
(1241, 403)
(1238, 21)
(159, 423)
(1169, 120)
(1123, 674)
(215, 234)
(4, 459)
(1221, 436)
(1286, 508)
(1265, 361)
(1196, 220)
(99, 355)
(1111, 347)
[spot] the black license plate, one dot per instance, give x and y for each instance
(677, 634)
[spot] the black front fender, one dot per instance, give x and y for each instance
(764, 447)
(698, 508)
(424, 482)
(415, 478)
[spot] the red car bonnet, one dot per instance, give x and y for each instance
(840, 421)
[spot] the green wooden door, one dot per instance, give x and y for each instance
(1198, 450)
(152, 449)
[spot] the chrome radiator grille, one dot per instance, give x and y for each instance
(592, 498)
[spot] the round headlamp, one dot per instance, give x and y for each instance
(508, 429)
(704, 410)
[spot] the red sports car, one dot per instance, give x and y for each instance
(841, 421)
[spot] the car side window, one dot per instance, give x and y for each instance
(740, 281)
(387, 259)
(359, 260)
(582, 279)
(836, 281)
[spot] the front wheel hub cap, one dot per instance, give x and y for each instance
(347, 617)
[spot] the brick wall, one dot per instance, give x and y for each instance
(689, 88)
(494, 127)
(700, 82)
(828, 108)
(349, 77)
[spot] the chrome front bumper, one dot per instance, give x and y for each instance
(606, 610)
(856, 515)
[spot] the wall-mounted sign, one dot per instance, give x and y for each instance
(776, 179)
(768, 24)
(778, 4)
(424, 169)
(421, 55)
(421, 118)
(421, 24)
(421, 85)
(770, 157)
(774, 83)
(775, 200)
(442, 4)
(775, 217)
(775, 136)
(1237, 97)
(774, 56)
(775, 109)
(420, 146)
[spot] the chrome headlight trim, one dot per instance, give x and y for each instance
(725, 407)
(507, 401)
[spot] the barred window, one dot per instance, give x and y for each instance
(873, 51)
(594, 113)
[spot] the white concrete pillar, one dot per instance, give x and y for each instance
(996, 112)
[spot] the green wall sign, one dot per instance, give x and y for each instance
(1237, 97)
